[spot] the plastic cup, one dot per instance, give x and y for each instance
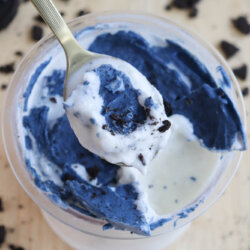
(83, 232)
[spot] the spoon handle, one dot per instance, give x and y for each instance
(53, 18)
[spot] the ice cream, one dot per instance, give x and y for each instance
(116, 113)
(205, 126)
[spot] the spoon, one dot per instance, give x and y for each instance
(115, 149)
(76, 56)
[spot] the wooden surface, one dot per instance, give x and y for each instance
(226, 225)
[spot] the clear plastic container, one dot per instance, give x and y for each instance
(81, 231)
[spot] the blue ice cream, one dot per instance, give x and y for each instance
(122, 111)
(98, 192)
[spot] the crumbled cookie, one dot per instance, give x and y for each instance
(193, 12)
(13, 247)
(2, 234)
(4, 86)
(141, 158)
(241, 24)
(1, 205)
(241, 72)
(19, 53)
(185, 5)
(93, 172)
(245, 91)
(36, 33)
(228, 49)
(7, 68)
(39, 19)
(8, 11)
(82, 12)
(166, 125)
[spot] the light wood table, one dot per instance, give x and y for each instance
(226, 225)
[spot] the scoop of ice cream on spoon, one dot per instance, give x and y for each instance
(112, 108)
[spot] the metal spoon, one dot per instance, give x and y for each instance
(76, 56)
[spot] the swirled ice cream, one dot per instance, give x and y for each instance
(198, 102)
(116, 113)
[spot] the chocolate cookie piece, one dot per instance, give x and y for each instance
(1, 205)
(36, 33)
(39, 19)
(184, 4)
(241, 72)
(166, 125)
(8, 10)
(241, 24)
(13, 247)
(193, 12)
(82, 12)
(19, 53)
(228, 49)
(2, 234)
(245, 91)
(7, 68)
(3, 87)
(142, 159)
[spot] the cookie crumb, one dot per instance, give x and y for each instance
(242, 25)
(119, 121)
(241, 72)
(148, 113)
(19, 53)
(13, 247)
(39, 19)
(168, 108)
(2, 234)
(53, 99)
(7, 68)
(4, 86)
(166, 125)
(93, 172)
(141, 158)
(184, 5)
(8, 11)
(82, 12)
(20, 206)
(228, 49)
(168, 7)
(193, 12)
(245, 91)
(36, 33)
(1, 205)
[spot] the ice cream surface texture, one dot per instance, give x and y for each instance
(116, 113)
(205, 126)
